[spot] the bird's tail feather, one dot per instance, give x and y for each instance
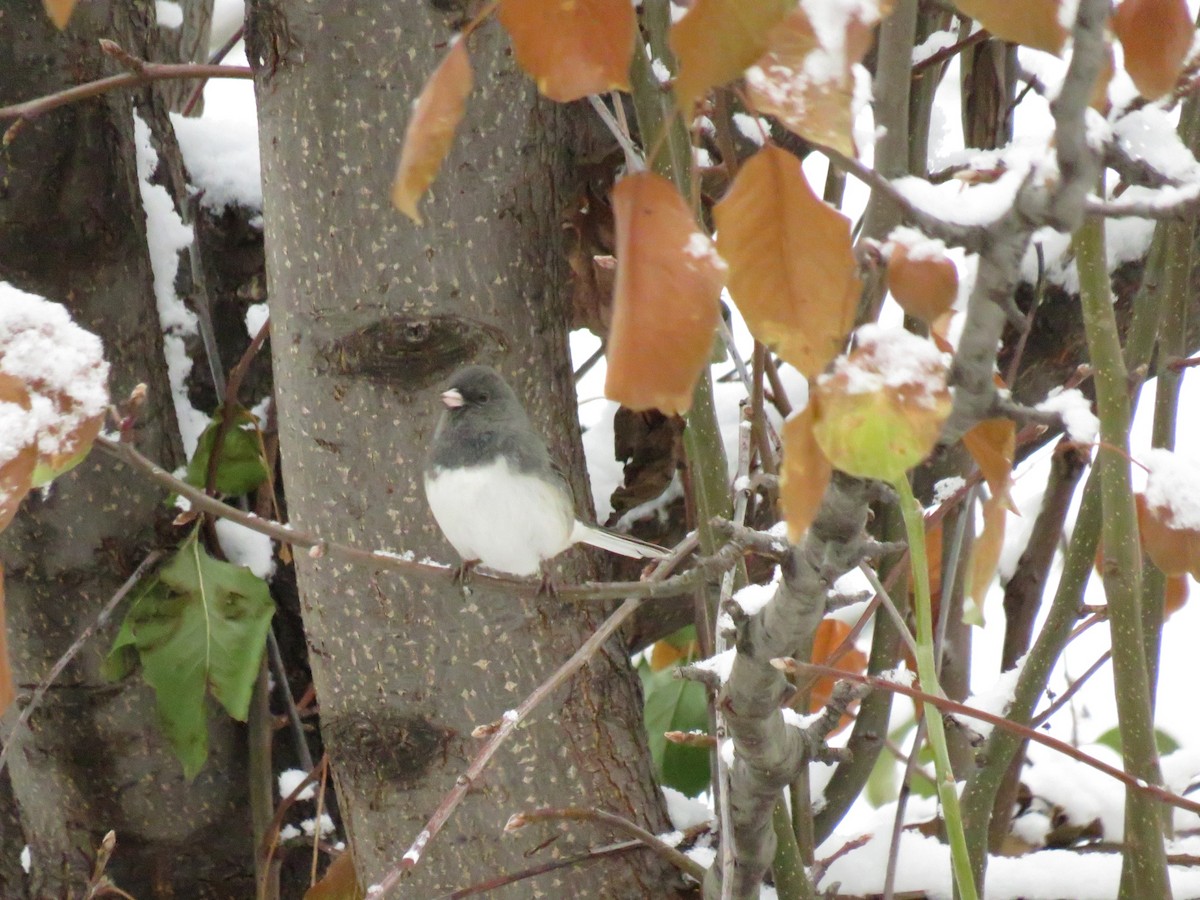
(615, 543)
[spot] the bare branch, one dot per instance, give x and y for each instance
(317, 546)
(1030, 734)
(681, 861)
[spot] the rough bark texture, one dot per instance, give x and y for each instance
(72, 230)
(369, 314)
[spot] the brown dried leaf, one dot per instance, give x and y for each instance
(1156, 36)
(807, 86)
(829, 636)
(985, 557)
(791, 268)
(665, 303)
(1033, 23)
(993, 444)
(572, 49)
(717, 40)
(340, 882)
(1176, 551)
(59, 11)
(804, 475)
(923, 283)
(430, 131)
(1176, 594)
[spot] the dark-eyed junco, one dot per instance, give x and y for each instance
(493, 488)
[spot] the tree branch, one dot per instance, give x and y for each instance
(681, 861)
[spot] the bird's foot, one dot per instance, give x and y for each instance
(462, 575)
(548, 587)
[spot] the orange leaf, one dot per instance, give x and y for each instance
(340, 882)
(1033, 23)
(665, 302)
(20, 440)
(1176, 594)
(829, 636)
(59, 11)
(791, 268)
(572, 49)
(1175, 550)
(985, 557)
(934, 543)
(808, 86)
(992, 444)
(7, 687)
(1156, 36)
(922, 279)
(805, 474)
(717, 40)
(431, 129)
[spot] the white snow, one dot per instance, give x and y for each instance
(685, 812)
(917, 246)
(256, 317)
(995, 699)
(60, 365)
(309, 826)
(1076, 412)
(289, 780)
(894, 358)
(935, 43)
(721, 664)
(221, 154)
(169, 13)
(753, 597)
(1148, 134)
(1173, 485)
(167, 237)
(244, 547)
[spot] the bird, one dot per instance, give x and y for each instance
(494, 489)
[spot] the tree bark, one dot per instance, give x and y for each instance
(72, 229)
(369, 314)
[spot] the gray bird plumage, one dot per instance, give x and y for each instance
(494, 489)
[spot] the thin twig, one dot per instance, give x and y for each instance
(1065, 697)
(893, 613)
(960, 709)
(96, 624)
(318, 546)
(499, 881)
(213, 60)
(633, 159)
(31, 109)
(681, 861)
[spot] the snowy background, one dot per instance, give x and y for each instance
(221, 153)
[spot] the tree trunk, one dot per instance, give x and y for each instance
(369, 314)
(72, 229)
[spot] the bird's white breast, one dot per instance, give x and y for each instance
(505, 519)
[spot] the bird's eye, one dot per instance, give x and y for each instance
(483, 396)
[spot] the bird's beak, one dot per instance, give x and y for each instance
(452, 398)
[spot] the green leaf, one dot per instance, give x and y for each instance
(1165, 743)
(200, 629)
(240, 467)
(673, 704)
(122, 657)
